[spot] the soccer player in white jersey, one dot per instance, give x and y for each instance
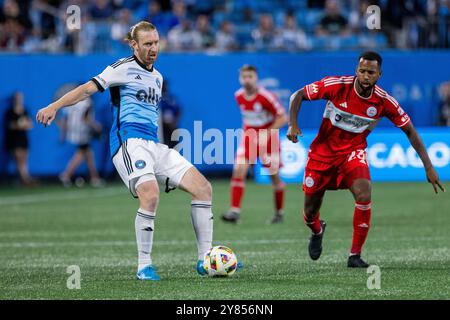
(135, 87)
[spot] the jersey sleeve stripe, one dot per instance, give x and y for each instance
(392, 100)
(337, 82)
(122, 61)
(307, 92)
(404, 124)
(341, 79)
(99, 86)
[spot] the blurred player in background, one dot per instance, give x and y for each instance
(262, 116)
(170, 115)
(17, 124)
(337, 157)
(78, 127)
(135, 87)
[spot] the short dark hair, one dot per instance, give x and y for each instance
(248, 67)
(372, 56)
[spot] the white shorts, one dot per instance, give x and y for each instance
(145, 159)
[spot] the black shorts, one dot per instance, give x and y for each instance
(15, 142)
(83, 147)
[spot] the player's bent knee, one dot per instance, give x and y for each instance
(205, 191)
(148, 201)
(148, 193)
(363, 196)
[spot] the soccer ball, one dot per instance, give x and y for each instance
(220, 261)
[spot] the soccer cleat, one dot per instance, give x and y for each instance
(355, 261)
(231, 216)
(315, 242)
(98, 183)
(148, 273)
(200, 269)
(66, 182)
(277, 218)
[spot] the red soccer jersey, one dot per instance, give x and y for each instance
(258, 111)
(349, 118)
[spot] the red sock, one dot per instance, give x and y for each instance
(361, 225)
(314, 223)
(237, 191)
(278, 193)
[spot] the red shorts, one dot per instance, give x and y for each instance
(338, 173)
(266, 148)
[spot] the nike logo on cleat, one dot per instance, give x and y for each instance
(363, 225)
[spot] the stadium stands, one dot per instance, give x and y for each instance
(39, 26)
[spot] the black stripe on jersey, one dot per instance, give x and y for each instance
(115, 100)
(99, 86)
(120, 62)
(115, 97)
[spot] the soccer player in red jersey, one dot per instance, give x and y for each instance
(262, 116)
(337, 158)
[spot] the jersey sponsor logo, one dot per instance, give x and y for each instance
(150, 97)
(309, 182)
(346, 121)
(372, 111)
(256, 119)
(400, 111)
(140, 164)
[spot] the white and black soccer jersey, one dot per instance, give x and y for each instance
(135, 95)
(78, 130)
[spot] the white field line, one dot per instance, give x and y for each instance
(61, 196)
(129, 243)
(108, 243)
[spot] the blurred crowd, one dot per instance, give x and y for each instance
(224, 25)
(444, 104)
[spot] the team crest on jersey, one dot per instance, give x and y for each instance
(372, 111)
(257, 106)
(313, 88)
(309, 182)
(140, 164)
(158, 83)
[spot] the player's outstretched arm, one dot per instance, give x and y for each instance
(295, 102)
(47, 115)
(418, 145)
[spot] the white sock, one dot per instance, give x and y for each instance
(202, 221)
(144, 226)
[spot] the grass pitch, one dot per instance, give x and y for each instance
(45, 230)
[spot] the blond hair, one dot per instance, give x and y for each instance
(140, 26)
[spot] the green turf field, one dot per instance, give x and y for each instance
(43, 231)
